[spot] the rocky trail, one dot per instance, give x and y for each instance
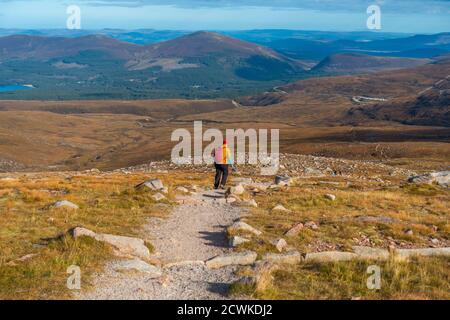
(193, 258)
(194, 232)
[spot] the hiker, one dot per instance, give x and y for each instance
(222, 160)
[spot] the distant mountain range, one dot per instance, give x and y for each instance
(417, 46)
(261, 36)
(80, 65)
(96, 66)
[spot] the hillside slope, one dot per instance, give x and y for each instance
(430, 107)
(21, 47)
(360, 63)
(199, 65)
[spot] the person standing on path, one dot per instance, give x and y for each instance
(222, 160)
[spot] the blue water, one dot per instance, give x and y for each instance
(13, 88)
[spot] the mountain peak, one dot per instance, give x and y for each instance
(204, 33)
(202, 43)
(211, 35)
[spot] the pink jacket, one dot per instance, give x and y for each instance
(222, 155)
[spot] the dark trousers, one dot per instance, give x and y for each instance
(221, 175)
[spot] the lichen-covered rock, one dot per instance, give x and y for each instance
(405, 254)
(242, 226)
(137, 265)
(65, 204)
(82, 232)
(370, 253)
(312, 225)
(279, 244)
(330, 256)
(240, 258)
(237, 190)
(158, 197)
(123, 245)
(281, 208)
(236, 240)
(243, 181)
(182, 189)
(442, 178)
(292, 257)
(295, 230)
(261, 276)
(283, 180)
(154, 184)
(249, 203)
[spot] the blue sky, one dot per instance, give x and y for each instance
(412, 16)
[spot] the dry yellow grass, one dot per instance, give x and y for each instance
(108, 203)
(363, 213)
(422, 278)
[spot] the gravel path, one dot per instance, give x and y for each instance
(194, 232)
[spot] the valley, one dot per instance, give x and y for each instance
(316, 116)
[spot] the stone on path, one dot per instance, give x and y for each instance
(261, 187)
(65, 204)
(240, 258)
(237, 190)
(330, 196)
(292, 257)
(236, 240)
(330, 256)
(139, 266)
(231, 200)
(124, 245)
(242, 226)
(243, 181)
